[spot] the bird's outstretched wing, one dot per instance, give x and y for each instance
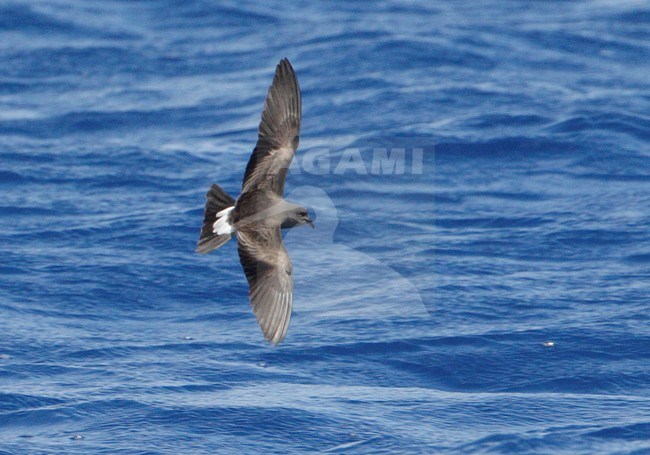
(268, 269)
(278, 134)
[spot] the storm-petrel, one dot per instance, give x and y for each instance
(260, 212)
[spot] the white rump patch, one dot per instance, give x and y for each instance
(222, 226)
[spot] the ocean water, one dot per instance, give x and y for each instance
(487, 293)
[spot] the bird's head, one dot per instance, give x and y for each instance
(302, 217)
(296, 216)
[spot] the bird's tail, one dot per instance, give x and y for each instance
(216, 229)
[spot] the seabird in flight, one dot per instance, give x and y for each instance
(260, 212)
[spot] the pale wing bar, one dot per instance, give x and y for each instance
(278, 134)
(268, 270)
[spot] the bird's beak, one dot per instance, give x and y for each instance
(311, 223)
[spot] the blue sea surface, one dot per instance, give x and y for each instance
(487, 293)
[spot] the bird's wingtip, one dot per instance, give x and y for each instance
(285, 62)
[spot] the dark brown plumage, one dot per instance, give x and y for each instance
(260, 212)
